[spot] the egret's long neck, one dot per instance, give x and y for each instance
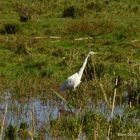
(80, 73)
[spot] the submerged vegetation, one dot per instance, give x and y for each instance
(44, 42)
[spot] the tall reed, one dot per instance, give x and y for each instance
(3, 122)
(113, 105)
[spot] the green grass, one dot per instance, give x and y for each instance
(32, 63)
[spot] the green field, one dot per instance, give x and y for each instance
(41, 44)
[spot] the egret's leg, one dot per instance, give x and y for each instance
(69, 94)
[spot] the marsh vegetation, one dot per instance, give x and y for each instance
(44, 42)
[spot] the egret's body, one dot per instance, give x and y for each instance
(73, 81)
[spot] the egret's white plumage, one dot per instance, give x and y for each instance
(73, 81)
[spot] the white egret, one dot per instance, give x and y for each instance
(74, 80)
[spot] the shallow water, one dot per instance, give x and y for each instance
(44, 112)
(41, 113)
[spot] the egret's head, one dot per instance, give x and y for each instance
(92, 53)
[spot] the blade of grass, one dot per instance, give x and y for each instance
(104, 95)
(101, 85)
(31, 133)
(32, 130)
(2, 127)
(114, 97)
(63, 99)
(113, 105)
